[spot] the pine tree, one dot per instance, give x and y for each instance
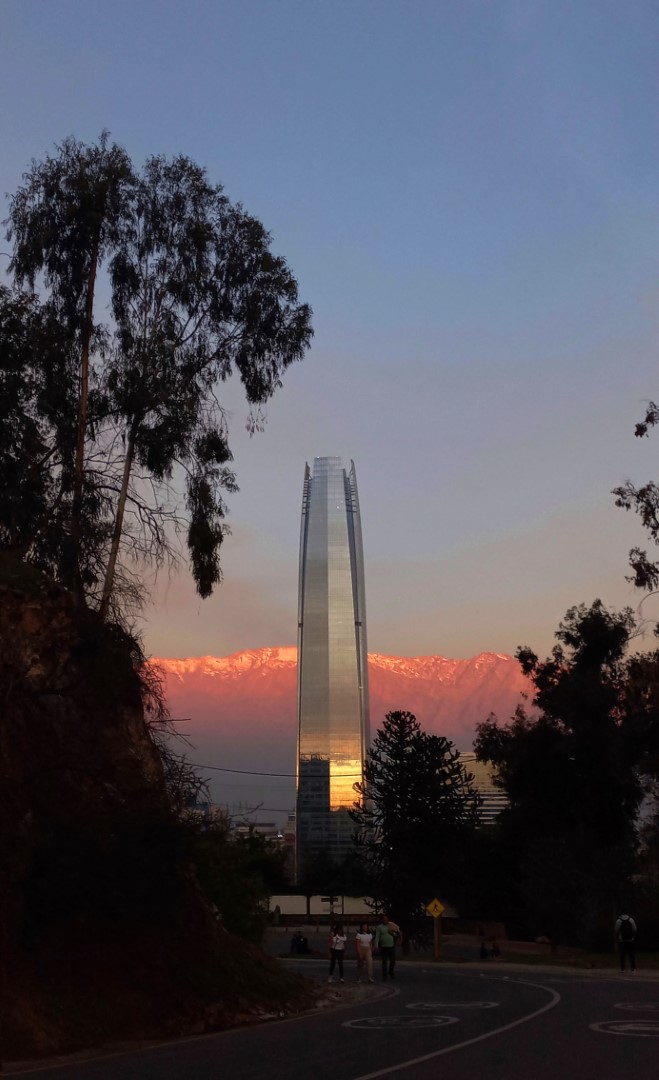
(416, 812)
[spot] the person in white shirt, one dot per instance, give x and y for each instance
(337, 951)
(364, 942)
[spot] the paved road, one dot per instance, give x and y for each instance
(456, 1023)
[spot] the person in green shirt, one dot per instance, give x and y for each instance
(386, 935)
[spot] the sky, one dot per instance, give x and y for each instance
(466, 192)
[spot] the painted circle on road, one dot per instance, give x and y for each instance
(646, 1005)
(648, 1029)
(439, 1006)
(377, 1023)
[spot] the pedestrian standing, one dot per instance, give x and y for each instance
(386, 935)
(626, 934)
(337, 951)
(364, 942)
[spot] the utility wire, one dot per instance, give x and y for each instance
(241, 772)
(252, 772)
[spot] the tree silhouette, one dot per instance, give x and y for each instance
(644, 501)
(64, 222)
(416, 812)
(195, 294)
(571, 773)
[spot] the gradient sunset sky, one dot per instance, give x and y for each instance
(467, 194)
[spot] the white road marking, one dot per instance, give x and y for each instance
(437, 1006)
(646, 1005)
(639, 1028)
(377, 1023)
(63, 1061)
(555, 998)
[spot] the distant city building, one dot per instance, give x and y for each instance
(494, 799)
(332, 661)
(289, 831)
(209, 812)
(269, 830)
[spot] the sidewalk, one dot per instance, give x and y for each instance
(462, 949)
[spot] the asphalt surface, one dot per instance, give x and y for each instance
(491, 1022)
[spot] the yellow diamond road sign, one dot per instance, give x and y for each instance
(435, 908)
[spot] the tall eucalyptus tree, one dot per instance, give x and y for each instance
(64, 221)
(195, 294)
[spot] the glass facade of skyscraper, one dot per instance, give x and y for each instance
(332, 660)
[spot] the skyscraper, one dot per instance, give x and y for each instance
(332, 660)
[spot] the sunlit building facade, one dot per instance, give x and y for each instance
(493, 798)
(332, 661)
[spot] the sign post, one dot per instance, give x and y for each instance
(435, 908)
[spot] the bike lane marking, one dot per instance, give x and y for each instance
(377, 1023)
(439, 1006)
(640, 1029)
(555, 998)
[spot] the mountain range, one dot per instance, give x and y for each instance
(239, 712)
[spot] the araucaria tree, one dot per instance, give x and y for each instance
(571, 771)
(140, 451)
(416, 812)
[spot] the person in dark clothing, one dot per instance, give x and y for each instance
(337, 944)
(626, 934)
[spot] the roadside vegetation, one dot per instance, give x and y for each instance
(578, 762)
(134, 294)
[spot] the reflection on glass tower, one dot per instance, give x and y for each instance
(332, 661)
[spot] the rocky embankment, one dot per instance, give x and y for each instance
(105, 931)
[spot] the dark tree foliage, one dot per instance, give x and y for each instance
(36, 393)
(317, 874)
(644, 501)
(141, 451)
(237, 874)
(417, 813)
(571, 773)
(38, 403)
(320, 875)
(64, 222)
(196, 293)
(488, 890)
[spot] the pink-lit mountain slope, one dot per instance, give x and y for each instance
(242, 708)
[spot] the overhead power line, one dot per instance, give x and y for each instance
(252, 772)
(241, 772)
